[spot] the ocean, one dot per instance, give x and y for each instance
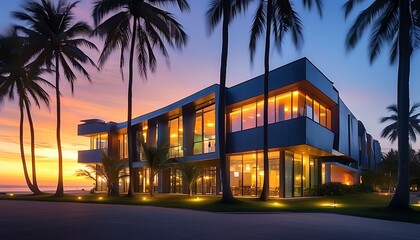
(47, 189)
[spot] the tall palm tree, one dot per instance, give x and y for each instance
(276, 17)
(224, 10)
(156, 159)
(20, 78)
(392, 23)
(391, 131)
(146, 26)
(57, 40)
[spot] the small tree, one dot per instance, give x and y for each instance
(156, 159)
(109, 170)
(190, 172)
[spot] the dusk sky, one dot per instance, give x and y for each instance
(366, 89)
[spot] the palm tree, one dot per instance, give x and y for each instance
(146, 26)
(389, 165)
(57, 41)
(276, 17)
(391, 131)
(156, 159)
(226, 9)
(110, 170)
(392, 22)
(190, 173)
(20, 78)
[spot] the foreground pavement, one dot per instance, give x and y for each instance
(53, 220)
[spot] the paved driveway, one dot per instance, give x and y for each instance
(51, 220)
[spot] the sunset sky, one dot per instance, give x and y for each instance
(366, 89)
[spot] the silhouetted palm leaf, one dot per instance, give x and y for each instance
(55, 42)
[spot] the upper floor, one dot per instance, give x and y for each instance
(304, 108)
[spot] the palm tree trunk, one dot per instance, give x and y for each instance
(401, 198)
(60, 188)
(129, 113)
(265, 192)
(22, 149)
(151, 184)
(31, 127)
(190, 190)
(226, 191)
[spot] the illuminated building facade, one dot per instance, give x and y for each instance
(313, 137)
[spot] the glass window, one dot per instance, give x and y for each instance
(175, 137)
(283, 106)
(198, 133)
(205, 131)
(316, 111)
(209, 130)
(306, 176)
(323, 116)
(309, 107)
(314, 172)
(298, 104)
(236, 177)
(235, 120)
(248, 116)
(144, 130)
(249, 174)
(123, 146)
(288, 174)
(328, 119)
(274, 166)
(260, 113)
(297, 169)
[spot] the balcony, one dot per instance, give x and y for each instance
(90, 156)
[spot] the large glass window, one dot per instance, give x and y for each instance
(175, 137)
(288, 174)
(248, 116)
(246, 174)
(283, 107)
(205, 131)
(99, 141)
(236, 174)
(235, 120)
(274, 166)
(297, 169)
(123, 146)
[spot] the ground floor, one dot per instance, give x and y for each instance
(291, 174)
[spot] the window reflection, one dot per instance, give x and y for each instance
(281, 107)
(205, 131)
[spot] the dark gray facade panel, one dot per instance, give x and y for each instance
(90, 156)
(93, 128)
(282, 134)
(353, 138)
(314, 76)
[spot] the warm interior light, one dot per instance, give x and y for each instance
(261, 173)
(144, 198)
(247, 168)
(210, 124)
(295, 109)
(258, 115)
(295, 92)
(286, 109)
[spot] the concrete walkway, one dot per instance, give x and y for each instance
(52, 220)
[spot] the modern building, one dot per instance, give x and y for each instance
(313, 137)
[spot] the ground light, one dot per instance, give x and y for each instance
(11, 194)
(79, 198)
(277, 204)
(332, 204)
(100, 198)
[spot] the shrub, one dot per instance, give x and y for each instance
(337, 188)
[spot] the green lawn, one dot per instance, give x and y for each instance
(363, 205)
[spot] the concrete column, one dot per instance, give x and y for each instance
(188, 122)
(327, 172)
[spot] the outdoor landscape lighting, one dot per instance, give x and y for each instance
(79, 198)
(11, 194)
(100, 198)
